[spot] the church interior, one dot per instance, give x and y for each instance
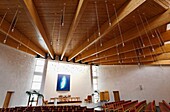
(84, 55)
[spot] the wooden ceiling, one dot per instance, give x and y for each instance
(100, 32)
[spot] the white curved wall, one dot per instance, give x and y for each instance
(16, 73)
(155, 81)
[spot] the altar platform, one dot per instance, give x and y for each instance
(65, 100)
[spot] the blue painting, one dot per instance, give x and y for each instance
(63, 82)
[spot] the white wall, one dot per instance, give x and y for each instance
(16, 71)
(80, 82)
(155, 81)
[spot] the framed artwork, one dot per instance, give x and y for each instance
(63, 82)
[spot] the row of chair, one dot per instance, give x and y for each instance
(121, 106)
(164, 107)
(115, 106)
(150, 107)
(75, 108)
(130, 106)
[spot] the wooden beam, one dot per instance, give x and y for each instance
(34, 18)
(105, 29)
(125, 53)
(128, 61)
(166, 48)
(151, 57)
(159, 50)
(164, 56)
(130, 55)
(123, 56)
(111, 52)
(160, 62)
(139, 60)
(20, 38)
(129, 35)
(145, 63)
(12, 43)
(162, 3)
(79, 12)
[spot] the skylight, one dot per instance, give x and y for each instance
(167, 42)
(168, 27)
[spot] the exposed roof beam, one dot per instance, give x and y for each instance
(128, 55)
(155, 41)
(20, 38)
(163, 50)
(12, 43)
(111, 52)
(148, 57)
(151, 56)
(164, 56)
(162, 3)
(166, 49)
(80, 9)
(160, 62)
(157, 63)
(139, 60)
(105, 29)
(130, 61)
(129, 35)
(34, 18)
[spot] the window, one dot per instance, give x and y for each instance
(37, 78)
(40, 62)
(95, 82)
(39, 67)
(38, 74)
(95, 87)
(36, 86)
(94, 71)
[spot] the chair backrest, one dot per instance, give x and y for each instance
(163, 101)
(153, 108)
(150, 107)
(89, 97)
(129, 106)
(140, 106)
(60, 96)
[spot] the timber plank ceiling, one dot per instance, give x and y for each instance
(100, 32)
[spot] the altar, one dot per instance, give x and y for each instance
(59, 100)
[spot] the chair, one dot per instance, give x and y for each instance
(88, 99)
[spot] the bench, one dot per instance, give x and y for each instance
(164, 107)
(150, 107)
(129, 107)
(140, 106)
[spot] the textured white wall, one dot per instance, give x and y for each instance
(155, 82)
(16, 73)
(80, 82)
